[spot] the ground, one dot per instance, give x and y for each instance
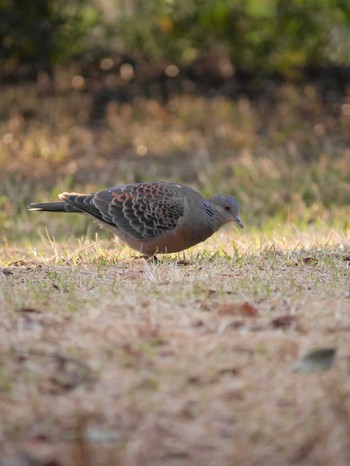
(196, 358)
(107, 359)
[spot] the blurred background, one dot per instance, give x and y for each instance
(246, 97)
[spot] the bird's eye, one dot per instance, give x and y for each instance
(227, 207)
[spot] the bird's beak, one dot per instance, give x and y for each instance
(238, 221)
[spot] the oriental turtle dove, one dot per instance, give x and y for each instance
(152, 217)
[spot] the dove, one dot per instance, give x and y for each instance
(152, 218)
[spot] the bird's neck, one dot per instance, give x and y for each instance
(212, 215)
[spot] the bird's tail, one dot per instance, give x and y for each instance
(53, 207)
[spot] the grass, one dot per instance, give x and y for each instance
(161, 362)
(106, 359)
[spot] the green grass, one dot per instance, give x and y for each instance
(107, 359)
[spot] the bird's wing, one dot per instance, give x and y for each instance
(143, 210)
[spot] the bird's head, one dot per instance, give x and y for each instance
(227, 207)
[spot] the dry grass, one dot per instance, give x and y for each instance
(286, 159)
(110, 360)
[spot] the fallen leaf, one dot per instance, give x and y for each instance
(29, 310)
(316, 361)
(245, 309)
(194, 380)
(310, 260)
(283, 321)
(197, 324)
(183, 262)
(249, 310)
